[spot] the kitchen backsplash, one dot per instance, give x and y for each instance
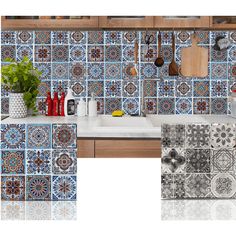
(99, 62)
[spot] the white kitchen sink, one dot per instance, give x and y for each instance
(158, 120)
(125, 122)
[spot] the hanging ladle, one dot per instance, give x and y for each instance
(159, 61)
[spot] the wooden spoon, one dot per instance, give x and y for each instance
(133, 70)
(159, 61)
(173, 67)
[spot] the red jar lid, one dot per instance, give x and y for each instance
(234, 90)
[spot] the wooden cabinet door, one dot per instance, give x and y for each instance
(45, 23)
(128, 148)
(181, 21)
(223, 22)
(85, 148)
(125, 21)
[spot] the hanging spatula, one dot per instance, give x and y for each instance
(173, 67)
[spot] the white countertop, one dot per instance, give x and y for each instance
(105, 126)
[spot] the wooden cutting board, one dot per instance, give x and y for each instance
(194, 60)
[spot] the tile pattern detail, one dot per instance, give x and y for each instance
(38, 162)
(203, 166)
(99, 62)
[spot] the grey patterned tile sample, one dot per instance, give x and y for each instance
(198, 161)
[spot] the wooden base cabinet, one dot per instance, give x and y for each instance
(108, 148)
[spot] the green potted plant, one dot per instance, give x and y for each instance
(22, 80)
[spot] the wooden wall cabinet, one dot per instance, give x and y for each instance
(108, 148)
(223, 22)
(46, 23)
(126, 21)
(181, 21)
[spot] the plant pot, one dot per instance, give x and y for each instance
(17, 107)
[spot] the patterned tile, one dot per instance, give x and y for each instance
(59, 37)
(38, 210)
(60, 85)
(150, 105)
(131, 106)
(38, 187)
(149, 33)
(8, 51)
(64, 136)
(220, 56)
(112, 71)
(24, 51)
(4, 105)
(219, 106)
(60, 71)
(112, 104)
(95, 37)
(42, 53)
(198, 136)
(38, 136)
(167, 53)
(201, 88)
(183, 88)
(219, 70)
(223, 136)
(64, 162)
(12, 136)
(96, 71)
(166, 88)
(78, 88)
(77, 37)
(232, 53)
(77, 70)
(232, 71)
(45, 69)
(13, 188)
(173, 161)
(148, 54)
(42, 37)
(126, 74)
(167, 183)
(40, 103)
(233, 36)
(201, 105)
(128, 53)
(183, 37)
(44, 88)
(198, 161)
(166, 106)
(24, 37)
(166, 37)
(219, 88)
(128, 37)
(173, 135)
(13, 210)
(148, 70)
(150, 88)
(78, 53)
(95, 53)
(223, 160)
(183, 105)
(64, 188)
(96, 87)
(198, 185)
(223, 185)
(203, 37)
(113, 88)
(60, 53)
(38, 162)
(8, 37)
(130, 88)
(113, 37)
(113, 53)
(12, 162)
